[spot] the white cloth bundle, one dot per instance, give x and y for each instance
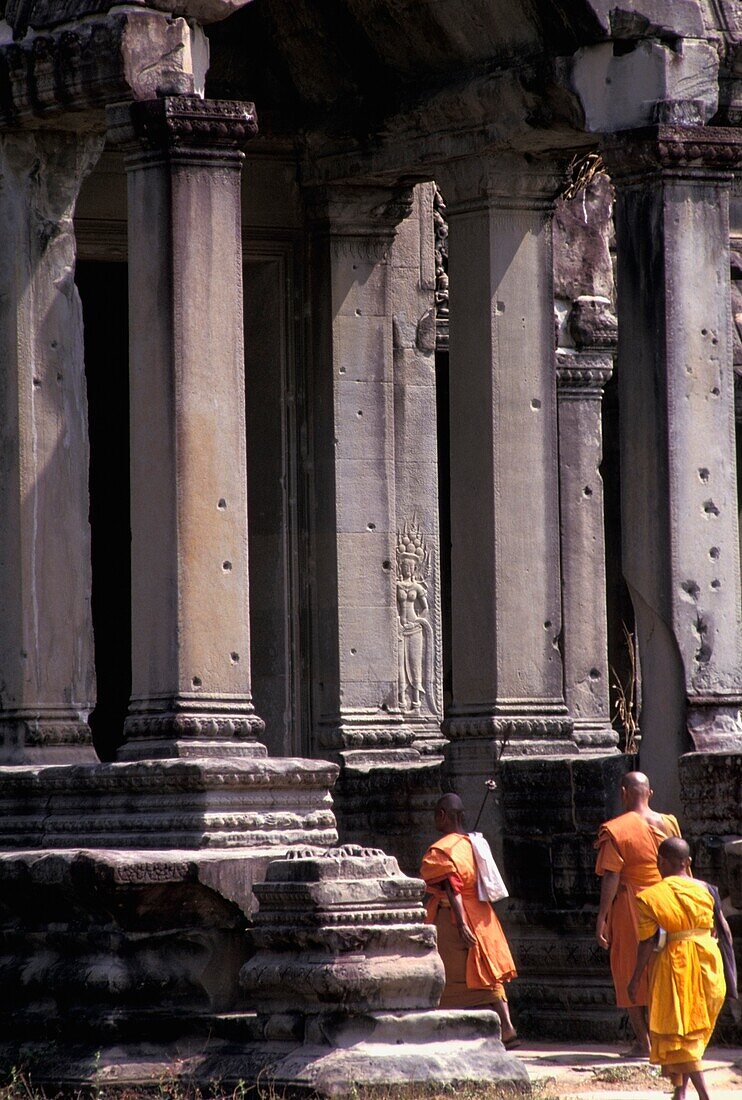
(490, 883)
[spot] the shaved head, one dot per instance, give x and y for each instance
(449, 814)
(635, 791)
(451, 803)
(674, 851)
(636, 781)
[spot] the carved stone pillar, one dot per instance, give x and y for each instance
(681, 542)
(47, 685)
(356, 697)
(190, 625)
(506, 600)
(581, 377)
(417, 565)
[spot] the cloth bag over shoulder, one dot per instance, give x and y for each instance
(490, 883)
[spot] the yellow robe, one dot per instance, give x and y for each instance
(686, 981)
(474, 976)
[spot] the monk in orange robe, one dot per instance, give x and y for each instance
(627, 860)
(686, 972)
(471, 942)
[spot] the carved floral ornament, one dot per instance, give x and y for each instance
(182, 122)
(677, 150)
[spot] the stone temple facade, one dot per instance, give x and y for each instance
(368, 376)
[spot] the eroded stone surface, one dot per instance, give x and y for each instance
(344, 963)
(188, 804)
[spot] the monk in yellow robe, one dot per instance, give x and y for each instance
(627, 861)
(686, 975)
(471, 942)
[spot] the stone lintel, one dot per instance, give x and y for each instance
(66, 77)
(44, 14)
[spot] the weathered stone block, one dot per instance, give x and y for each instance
(343, 965)
(711, 793)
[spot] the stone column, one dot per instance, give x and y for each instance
(356, 650)
(417, 564)
(47, 682)
(506, 600)
(582, 373)
(681, 542)
(190, 625)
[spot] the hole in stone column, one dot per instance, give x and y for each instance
(221, 504)
(227, 566)
(716, 583)
(36, 382)
(594, 674)
(360, 412)
(53, 344)
(715, 553)
(535, 404)
(704, 332)
(714, 341)
(371, 526)
(710, 508)
(358, 313)
(234, 657)
(353, 652)
(703, 474)
(715, 391)
(547, 624)
(60, 376)
(587, 491)
(386, 565)
(196, 681)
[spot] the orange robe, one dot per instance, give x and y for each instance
(686, 979)
(628, 845)
(474, 976)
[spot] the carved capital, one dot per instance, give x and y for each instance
(706, 153)
(358, 213)
(504, 180)
(182, 126)
(582, 376)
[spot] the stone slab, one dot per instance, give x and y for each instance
(183, 804)
(420, 1053)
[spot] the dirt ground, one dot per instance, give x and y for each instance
(590, 1071)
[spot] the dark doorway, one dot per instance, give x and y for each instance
(104, 293)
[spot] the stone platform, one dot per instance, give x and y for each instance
(126, 890)
(164, 804)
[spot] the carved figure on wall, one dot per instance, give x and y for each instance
(416, 633)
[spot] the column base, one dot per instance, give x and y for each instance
(48, 736)
(365, 730)
(595, 735)
(409, 1054)
(715, 723)
(524, 729)
(193, 729)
